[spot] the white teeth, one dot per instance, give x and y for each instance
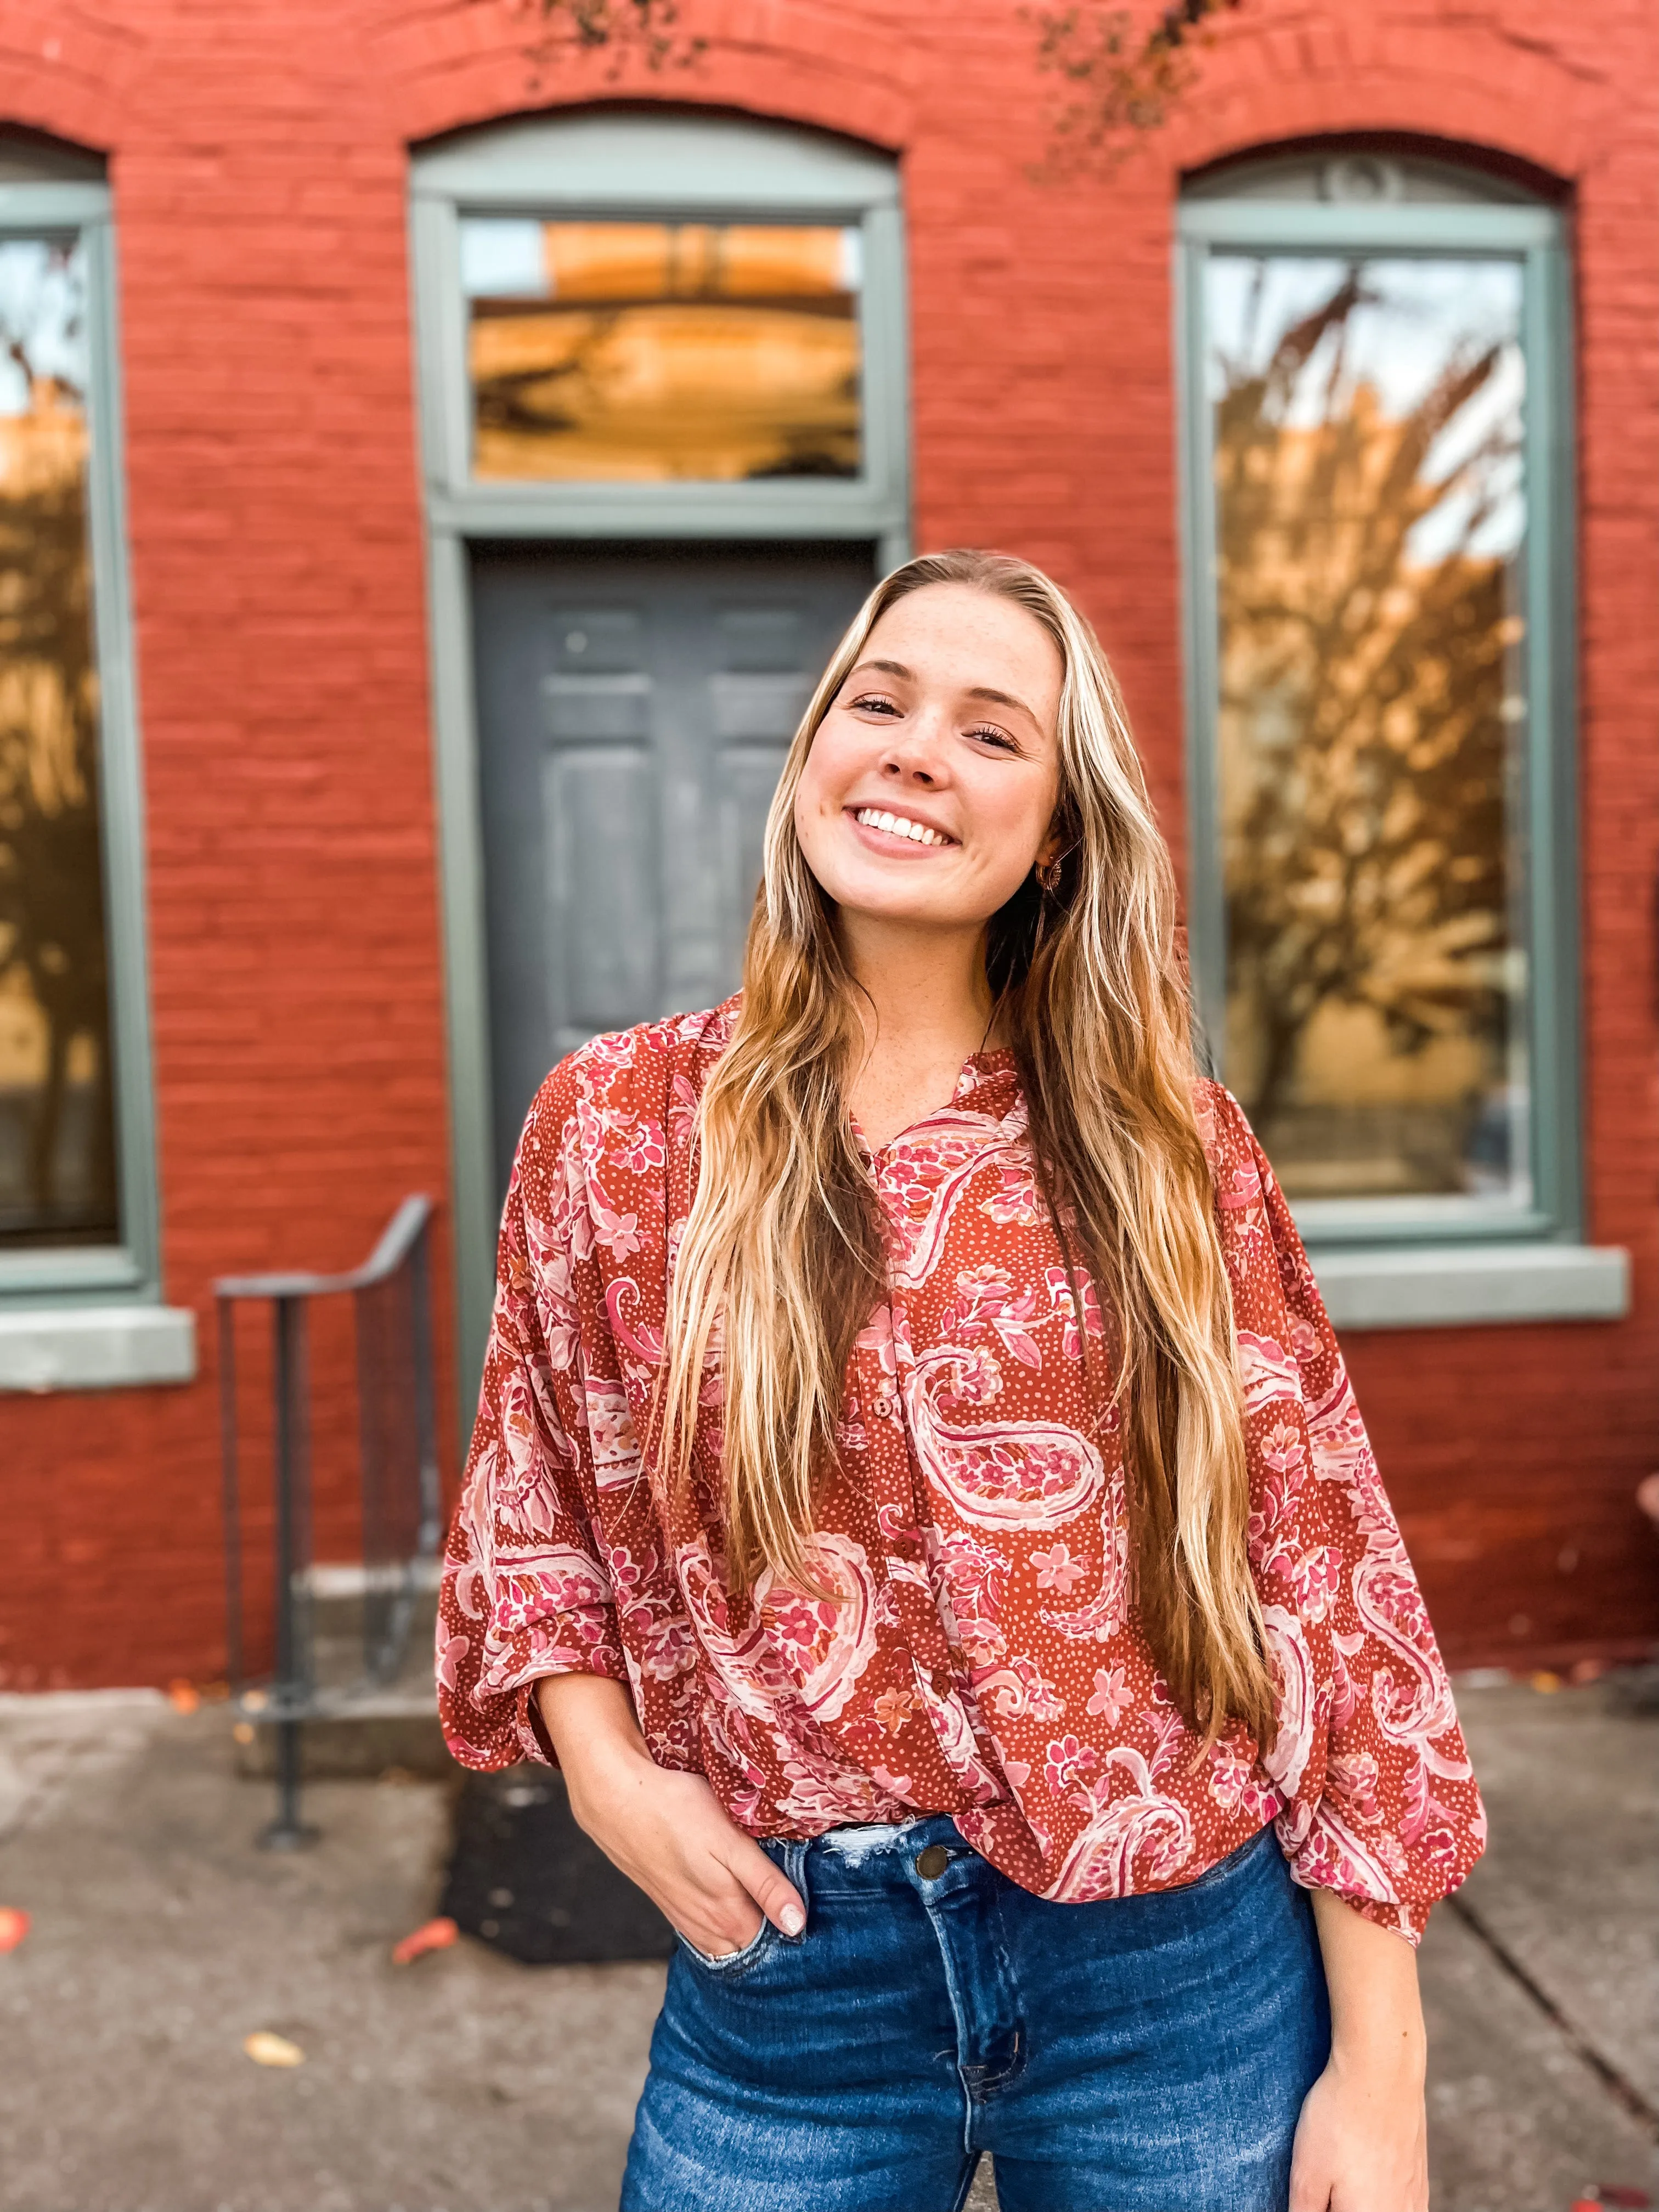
(899, 825)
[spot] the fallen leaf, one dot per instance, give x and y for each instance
(13, 1926)
(184, 1697)
(432, 1935)
(265, 2049)
(1545, 1681)
(244, 1731)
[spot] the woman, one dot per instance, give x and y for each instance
(917, 1497)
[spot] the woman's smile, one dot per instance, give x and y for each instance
(885, 831)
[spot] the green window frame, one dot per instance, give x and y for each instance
(127, 1272)
(1531, 235)
(670, 167)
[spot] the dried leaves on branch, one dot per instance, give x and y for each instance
(1120, 77)
(627, 31)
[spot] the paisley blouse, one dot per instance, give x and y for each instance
(984, 1658)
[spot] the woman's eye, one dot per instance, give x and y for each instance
(873, 704)
(993, 736)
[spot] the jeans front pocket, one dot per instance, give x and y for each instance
(790, 1855)
(734, 1961)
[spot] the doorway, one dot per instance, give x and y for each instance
(634, 705)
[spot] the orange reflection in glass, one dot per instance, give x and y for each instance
(615, 352)
(57, 1183)
(1370, 526)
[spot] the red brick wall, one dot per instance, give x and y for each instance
(257, 155)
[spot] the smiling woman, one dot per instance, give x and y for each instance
(918, 1498)
(919, 720)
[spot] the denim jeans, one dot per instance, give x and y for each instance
(1144, 2054)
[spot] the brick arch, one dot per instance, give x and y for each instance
(71, 78)
(1482, 93)
(468, 68)
(1399, 145)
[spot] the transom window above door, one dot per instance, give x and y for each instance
(662, 325)
(1382, 889)
(653, 352)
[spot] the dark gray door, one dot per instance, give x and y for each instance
(634, 711)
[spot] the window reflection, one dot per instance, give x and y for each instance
(57, 1123)
(648, 351)
(1370, 524)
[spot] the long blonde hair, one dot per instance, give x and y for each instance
(782, 1259)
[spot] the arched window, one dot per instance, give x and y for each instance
(1377, 425)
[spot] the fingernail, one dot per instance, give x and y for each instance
(792, 1920)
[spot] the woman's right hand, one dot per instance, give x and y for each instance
(665, 1830)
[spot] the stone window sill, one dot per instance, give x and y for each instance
(113, 1347)
(1449, 1286)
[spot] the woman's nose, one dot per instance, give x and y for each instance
(913, 756)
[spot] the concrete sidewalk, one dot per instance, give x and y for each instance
(161, 1938)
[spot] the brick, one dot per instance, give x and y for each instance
(260, 155)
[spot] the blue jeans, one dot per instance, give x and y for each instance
(1145, 2054)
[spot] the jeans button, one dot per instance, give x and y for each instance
(932, 1862)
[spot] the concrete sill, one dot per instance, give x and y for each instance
(1449, 1286)
(96, 1347)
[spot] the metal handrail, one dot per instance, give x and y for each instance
(384, 1339)
(397, 1242)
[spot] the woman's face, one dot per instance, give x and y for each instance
(929, 792)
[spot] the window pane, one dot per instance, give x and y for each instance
(1371, 522)
(56, 1118)
(641, 352)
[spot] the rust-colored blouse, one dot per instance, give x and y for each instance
(986, 1660)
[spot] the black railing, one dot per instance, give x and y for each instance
(397, 1459)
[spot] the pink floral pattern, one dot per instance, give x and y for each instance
(983, 1657)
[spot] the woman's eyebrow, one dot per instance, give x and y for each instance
(975, 691)
(1001, 699)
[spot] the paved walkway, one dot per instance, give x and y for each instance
(161, 1939)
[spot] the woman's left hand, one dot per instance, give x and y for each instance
(1362, 2140)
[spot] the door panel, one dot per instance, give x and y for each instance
(634, 708)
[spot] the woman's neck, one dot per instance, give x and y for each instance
(926, 1007)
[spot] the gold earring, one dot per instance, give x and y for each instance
(1048, 874)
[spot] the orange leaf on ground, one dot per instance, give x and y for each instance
(265, 2049)
(432, 1935)
(13, 1926)
(184, 1697)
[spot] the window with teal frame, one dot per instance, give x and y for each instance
(1382, 898)
(78, 1174)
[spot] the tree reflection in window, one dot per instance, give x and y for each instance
(58, 1181)
(1371, 522)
